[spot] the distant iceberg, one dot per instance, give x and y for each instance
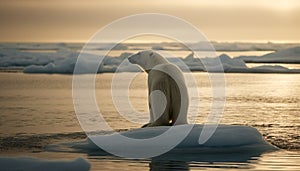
(290, 55)
(112, 64)
(62, 57)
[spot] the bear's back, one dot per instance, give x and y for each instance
(166, 75)
(169, 70)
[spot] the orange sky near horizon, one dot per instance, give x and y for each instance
(219, 20)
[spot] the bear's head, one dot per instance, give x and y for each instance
(147, 59)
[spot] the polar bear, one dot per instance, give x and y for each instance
(167, 91)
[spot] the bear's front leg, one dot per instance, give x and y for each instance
(146, 125)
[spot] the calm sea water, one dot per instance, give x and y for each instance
(37, 110)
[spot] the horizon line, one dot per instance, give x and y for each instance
(141, 42)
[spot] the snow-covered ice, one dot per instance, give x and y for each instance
(62, 58)
(226, 139)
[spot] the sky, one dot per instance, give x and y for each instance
(219, 20)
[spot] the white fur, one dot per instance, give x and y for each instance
(168, 79)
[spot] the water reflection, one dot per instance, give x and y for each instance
(178, 160)
(186, 161)
(158, 165)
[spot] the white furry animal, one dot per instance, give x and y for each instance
(168, 95)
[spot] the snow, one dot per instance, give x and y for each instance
(226, 139)
(35, 164)
(228, 64)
